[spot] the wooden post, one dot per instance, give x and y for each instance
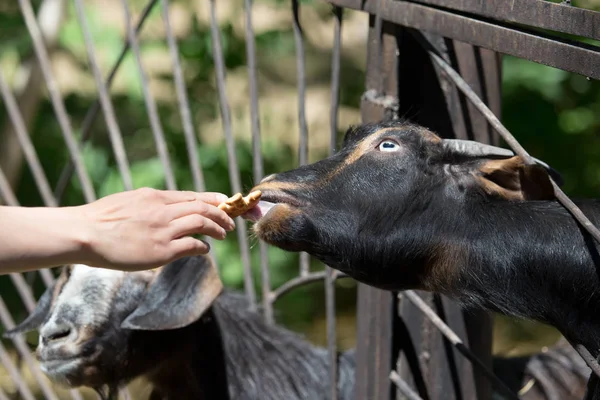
(399, 68)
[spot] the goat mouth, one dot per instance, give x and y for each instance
(267, 203)
(61, 370)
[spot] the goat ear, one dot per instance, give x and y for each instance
(472, 149)
(37, 316)
(179, 295)
(512, 179)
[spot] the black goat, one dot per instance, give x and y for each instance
(399, 208)
(102, 327)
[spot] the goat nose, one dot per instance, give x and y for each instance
(55, 332)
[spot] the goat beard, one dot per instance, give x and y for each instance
(108, 392)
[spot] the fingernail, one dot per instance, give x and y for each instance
(223, 234)
(221, 198)
(231, 224)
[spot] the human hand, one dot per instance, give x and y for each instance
(147, 228)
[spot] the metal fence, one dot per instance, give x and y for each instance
(405, 349)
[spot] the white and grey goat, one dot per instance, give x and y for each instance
(178, 328)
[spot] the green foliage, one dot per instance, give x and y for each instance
(555, 115)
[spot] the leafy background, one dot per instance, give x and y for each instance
(554, 114)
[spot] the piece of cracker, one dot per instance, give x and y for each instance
(237, 204)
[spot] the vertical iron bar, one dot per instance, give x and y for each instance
(151, 109)
(330, 273)
(22, 348)
(257, 161)
(375, 306)
(56, 99)
(379, 49)
(184, 105)
(335, 77)
(184, 109)
(234, 174)
(90, 116)
(114, 132)
(25, 141)
(301, 78)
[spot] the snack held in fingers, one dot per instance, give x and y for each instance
(237, 204)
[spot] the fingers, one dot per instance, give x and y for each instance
(200, 208)
(188, 246)
(212, 198)
(179, 196)
(195, 224)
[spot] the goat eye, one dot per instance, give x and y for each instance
(388, 145)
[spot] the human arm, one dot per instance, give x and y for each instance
(133, 230)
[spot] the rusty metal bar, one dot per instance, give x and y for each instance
(39, 176)
(14, 374)
(301, 79)
(538, 13)
(92, 113)
(303, 280)
(458, 343)
(114, 132)
(56, 99)
(257, 161)
(568, 55)
(184, 105)
(403, 387)
(22, 348)
(375, 306)
(151, 109)
(184, 108)
(234, 174)
(335, 77)
(330, 273)
(296, 282)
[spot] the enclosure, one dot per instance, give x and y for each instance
(108, 95)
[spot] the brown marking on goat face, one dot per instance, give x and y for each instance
(275, 224)
(430, 136)
(360, 149)
(444, 266)
(512, 179)
(63, 278)
(279, 186)
(85, 334)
